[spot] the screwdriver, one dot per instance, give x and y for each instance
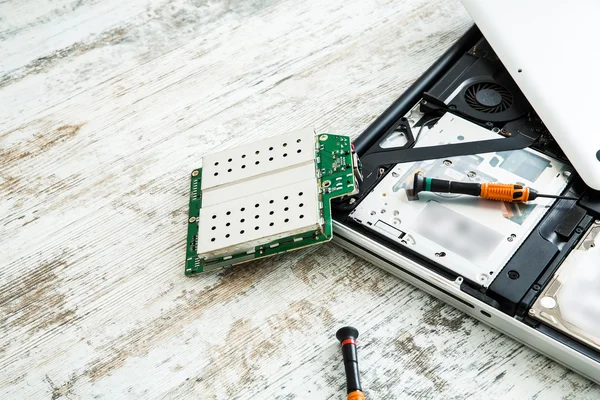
(347, 337)
(509, 192)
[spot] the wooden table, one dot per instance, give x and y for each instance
(106, 107)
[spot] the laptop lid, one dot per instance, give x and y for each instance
(551, 49)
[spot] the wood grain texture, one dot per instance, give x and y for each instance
(106, 107)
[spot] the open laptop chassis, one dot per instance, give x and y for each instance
(513, 301)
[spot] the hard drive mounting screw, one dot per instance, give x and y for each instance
(597, 222)
(195, 172)
(567, 174)
(471, 174)
(536, 287)
(531, 312)
(192, 219)
(578, 229)
(352, 201)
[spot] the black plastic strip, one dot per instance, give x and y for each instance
(408, 99)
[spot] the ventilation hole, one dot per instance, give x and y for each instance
(299, 151)
(270, 149)
(285, 154)
(242, 232)
(242, 220)
(243, 156)
(286, 220)
(213, 228)
(286, 197)
(243, 166)
(270, 158)
(256, 205)
(271, 224)
(285, 209)
(242, 209)
(271, 212)
(520, 70)
(257, 152)
(217, 163)
(227, 224)
(285, 145)
(301, 215)
(298, 141)
(230, 160)
(214, 216)
(213, 239)
(256, 216)
(216, 173)
(229, 170)
(256, 228)
(228, 213)
(300, 194)
(271, 201)
(227, 236)
(257, 162)
(301, 205)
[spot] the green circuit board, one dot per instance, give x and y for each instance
(334, 177)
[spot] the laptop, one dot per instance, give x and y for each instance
(508, 102)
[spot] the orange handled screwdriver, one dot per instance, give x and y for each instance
(347, 337)
(509, 192)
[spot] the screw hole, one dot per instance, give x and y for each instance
(285, 209)
(242, 220)
(213, 239)
(299, 151)
(271, 201)
(242, 209)
(286, 197)
(285, 145)
(271, 224)
(216, 173)
(243, 156)
(257, 162)
(228, 213)
(242, 232)
(214, 216)
(243, 166)
(256, 228)
(301, 215)
(270, 149)
(271, 212)
(286, 220)
(213, 228)
(229, 170)
(301, 205)
(300, 194)
(519, 70)
(256, 216)
(298, 141)
(256, 205)
(285, 154)
(257, 152)
(227, 224)
(230, 160)
(217, 163)
(270, 158)
(227, 236)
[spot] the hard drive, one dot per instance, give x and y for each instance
(571, 301)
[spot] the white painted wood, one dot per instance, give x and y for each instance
(106, 107)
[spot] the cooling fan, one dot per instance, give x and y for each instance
(488, 97)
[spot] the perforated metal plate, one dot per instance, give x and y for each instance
(245, 222)
(267, 197)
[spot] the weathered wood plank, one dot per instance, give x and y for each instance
(105, 109)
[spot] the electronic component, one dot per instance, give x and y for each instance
(472, 237)
(571, 301)
(265, 198)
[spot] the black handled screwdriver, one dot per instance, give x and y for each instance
(347, 337)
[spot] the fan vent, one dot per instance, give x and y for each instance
(488, 97)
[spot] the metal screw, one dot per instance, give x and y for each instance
(567, 174)
(495, 129)
(510, 238)
(352, 201)
(195, 172)
(531, 311)
(447, 162)
(192, 219)
(471, 174)
(536, 287)
(512, 274)
(578, 229)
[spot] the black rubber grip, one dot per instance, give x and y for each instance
(443, 186)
